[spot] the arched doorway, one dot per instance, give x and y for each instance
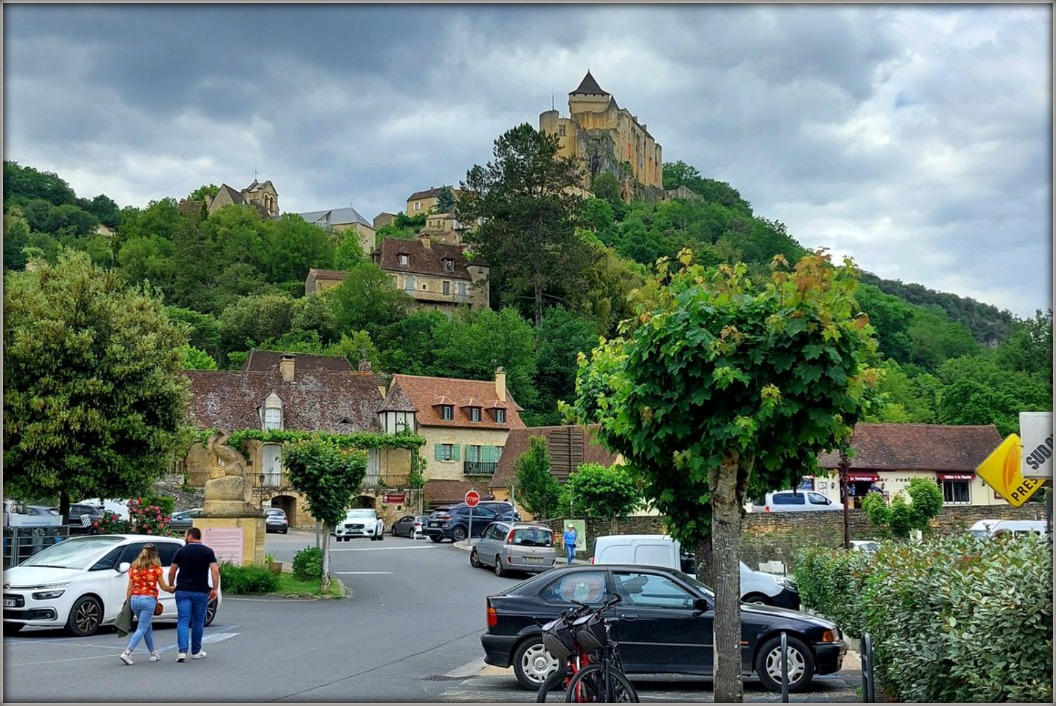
(289, 505)
(366, 501)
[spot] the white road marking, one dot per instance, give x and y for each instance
(468, 669)
(207, 637)
(377, 549)
(361, 573)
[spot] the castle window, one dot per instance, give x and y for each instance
(561, 130)
(417, 205)
(404, 259)
(447, 287)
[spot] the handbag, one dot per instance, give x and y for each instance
(157, 607)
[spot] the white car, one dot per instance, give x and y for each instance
(80, 583)
(360, 522)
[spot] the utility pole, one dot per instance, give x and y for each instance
(844, 466)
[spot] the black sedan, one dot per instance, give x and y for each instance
(665, 626)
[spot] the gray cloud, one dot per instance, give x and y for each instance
(916, 139)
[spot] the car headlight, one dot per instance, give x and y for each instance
(46, 586)
(785, 583)
(48, 595)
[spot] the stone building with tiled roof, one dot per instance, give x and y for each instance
(425, 201)
(437, 275)
(319, 281)
(465, 424)
(297, 393)
(338, 220)
(891, 455)
(262, 196)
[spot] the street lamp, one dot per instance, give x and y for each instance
(260, 490)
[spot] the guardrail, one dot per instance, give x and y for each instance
(20, 543)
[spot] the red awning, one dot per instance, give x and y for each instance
(862, 476)
(956, 476)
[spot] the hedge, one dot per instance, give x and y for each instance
(955, 619)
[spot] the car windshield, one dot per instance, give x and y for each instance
(275, 512)
(73, 553)
(359, 513)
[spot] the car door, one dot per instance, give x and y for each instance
(166, 551)
(660, 630)
(482, 517)
(118, 580)
(490, 543)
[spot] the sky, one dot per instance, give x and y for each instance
(915, 139)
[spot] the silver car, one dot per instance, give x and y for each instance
(515, 546)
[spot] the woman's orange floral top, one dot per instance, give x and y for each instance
(145, 581)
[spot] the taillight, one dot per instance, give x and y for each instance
(509, 537)
(591, 560)
(444, 517)
(493, 617)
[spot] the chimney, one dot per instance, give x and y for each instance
(500, 383)
(364, 365)
(286, 367)
(427, 242)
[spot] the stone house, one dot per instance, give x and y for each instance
(292, 392)
(319, 281)
(383, 219)
(425, 202)
(891, 455)
(337, 220)
(436, 275)
(465, 424)
(262, 196)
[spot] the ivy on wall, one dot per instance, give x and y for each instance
(364, 440)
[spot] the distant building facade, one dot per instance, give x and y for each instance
(437, 275)
(261, 195)
(343, 219)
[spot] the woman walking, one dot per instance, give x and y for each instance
(144, 577)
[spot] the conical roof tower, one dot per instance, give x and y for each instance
(589, 87)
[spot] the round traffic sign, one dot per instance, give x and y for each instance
(472, 498)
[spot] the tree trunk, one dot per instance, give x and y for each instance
(705, 562)
(324, 580)
(725, 540)
(64, 506)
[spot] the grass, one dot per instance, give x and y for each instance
(289, 585)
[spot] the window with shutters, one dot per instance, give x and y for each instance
(446, 452)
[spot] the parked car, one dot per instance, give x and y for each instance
(83, 517)
(410, 526)
(503, 508)
(795, 501)
(79, 584)
(275, 520)
(993, 528)
(360, 522)
(865, 545)
(183, 520)
(515, 546)
(665, 625)
(39, 510)
(454, 524)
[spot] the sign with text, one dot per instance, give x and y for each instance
(1001, 472)
(395, 498)
(226, 543)
(472, 498)
(1035, 428)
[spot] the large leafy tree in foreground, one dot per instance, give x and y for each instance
(720, 388)
(94, 393)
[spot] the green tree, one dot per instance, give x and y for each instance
(559, 341)
(368, 300)
(721, 389)
(537, 490)
(205, 192)
(528, 206)
(445, 200)
(901, 517)
(252, 320)
(197, 359)
(16, 237)
(603, 491)
(328, 477)
(23, 184)
(293, 246)
(94, 392)
(607, 188)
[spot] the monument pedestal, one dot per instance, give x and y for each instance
(238, 540)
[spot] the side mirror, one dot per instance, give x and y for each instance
(123, 567)
(701, 605)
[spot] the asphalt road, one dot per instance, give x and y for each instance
(409, 632)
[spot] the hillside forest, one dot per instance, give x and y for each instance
(236, 282)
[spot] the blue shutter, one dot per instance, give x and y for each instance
(436, 452)
(456, 449)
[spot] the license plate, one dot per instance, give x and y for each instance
(533, 559)
(10, 603)
(434, 524)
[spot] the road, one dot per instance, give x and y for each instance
(409, 632)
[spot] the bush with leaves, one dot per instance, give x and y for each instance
(251, 579)
(308, 564)
(901, 517)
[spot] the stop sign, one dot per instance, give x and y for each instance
(472, 498)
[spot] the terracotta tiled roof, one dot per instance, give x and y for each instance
(424, 393)
(339, 275)
(452, 492)
(433, 192)
(316, 400)
(569, 447)
(588, 86)
(421, 259)
(259, 360)
(921, 447)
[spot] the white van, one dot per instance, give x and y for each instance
(992, 528)
(661, 550)
(794, 501)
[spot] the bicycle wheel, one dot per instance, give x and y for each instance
(553, 689)
(587, 686)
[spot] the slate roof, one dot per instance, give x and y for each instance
(569, 447)
(336, 217)
(259, 360)
(588, 86)
(316, 400)
(397, 401)
(452, 492)
(423, 392)
(918, 447)
(433, 192)
(235, 195)
(423, 260)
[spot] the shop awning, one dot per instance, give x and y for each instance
(862, 477)
(956, 476)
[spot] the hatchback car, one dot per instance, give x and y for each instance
(275, 520)
(455, 523)
(515, 546)
(410, 526)
(80, 584)
(184, 519)
(665, 621)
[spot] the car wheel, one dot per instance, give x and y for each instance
(499, 571)
(800, 664)
(381, 537)
(85, 617)
(757, 599)
(434, 538)
(474, 561)
(532, 664)
(13, 628)
(458, 534)
(210, 612)
(285, 530)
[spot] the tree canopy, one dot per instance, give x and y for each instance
(537, 489)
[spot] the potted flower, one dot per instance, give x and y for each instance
(274, 567)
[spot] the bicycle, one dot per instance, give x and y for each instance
(559, 640)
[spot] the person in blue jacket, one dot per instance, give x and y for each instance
(570, 538)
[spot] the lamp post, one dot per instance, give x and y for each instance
(260, 490)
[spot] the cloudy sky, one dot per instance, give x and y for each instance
(916, 139)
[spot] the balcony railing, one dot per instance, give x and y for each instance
(479, 468)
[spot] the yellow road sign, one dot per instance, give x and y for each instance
(1001, 470)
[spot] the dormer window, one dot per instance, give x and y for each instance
(500, 416)
(449, 265)
(447, 412)
(474, 414)
(405, 259)
(271, 413)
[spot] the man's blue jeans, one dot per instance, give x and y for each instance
(190, 618)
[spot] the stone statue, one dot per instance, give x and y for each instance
(228, 492)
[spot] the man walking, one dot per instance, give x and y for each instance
(192, 567)
(570, 542)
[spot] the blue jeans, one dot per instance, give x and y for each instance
(143, 606)
(570, 552)
(190, 617)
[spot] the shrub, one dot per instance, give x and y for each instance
(308, 564)
(166, 502)
(952, 620)
(250, 579)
